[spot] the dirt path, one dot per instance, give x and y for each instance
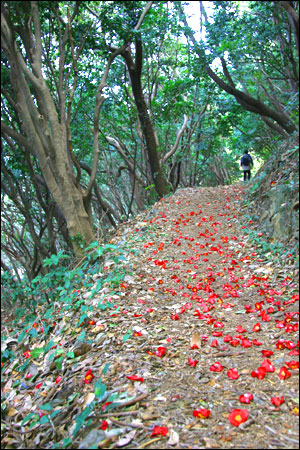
(199, 279)
(195, 282)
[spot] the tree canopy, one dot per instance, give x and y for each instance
(108, 106)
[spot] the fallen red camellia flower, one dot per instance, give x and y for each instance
(201, 413)
(160, 351)
(233, 374)
(256, 327)
(238, 416)
(104, 425)
(192, 362)
(268, 365)
(175, 317)
(246, 398)
(277, 401)
(246, 343)
(260, 373)
(284, 373)
(292, 364)
(216, 367)
(159, 430)
(88, 376)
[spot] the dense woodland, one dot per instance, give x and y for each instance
(109, 106)
(131, 248)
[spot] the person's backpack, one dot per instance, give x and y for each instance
(246, 160)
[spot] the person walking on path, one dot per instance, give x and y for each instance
(246, 163)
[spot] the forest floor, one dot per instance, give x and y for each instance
(198, 347)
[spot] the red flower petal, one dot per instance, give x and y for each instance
(192, 362)
(135, 378)
(214, 343)
(105, 405)
(159, 430)
(238, 416)
(256, 327)
(246, 343)
(217, 333)
(267, 353)
(277, 401)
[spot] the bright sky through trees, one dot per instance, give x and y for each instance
(192, 10)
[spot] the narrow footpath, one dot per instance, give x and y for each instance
(196, 346)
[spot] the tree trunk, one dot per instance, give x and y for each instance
(43, 132)
(135, 71)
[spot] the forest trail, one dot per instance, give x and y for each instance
(200, 319)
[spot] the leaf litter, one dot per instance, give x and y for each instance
(197, 346)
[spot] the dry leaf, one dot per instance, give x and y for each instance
(126, 439)
(82, 349)
(88, 399)
(196, 340)
(97, 329)
(12, 412)
(174, 437)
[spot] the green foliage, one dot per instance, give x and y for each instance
(273, 251)
(54, 259)
(62, 286)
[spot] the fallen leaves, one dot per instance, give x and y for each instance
(196, 341)
(167, 331)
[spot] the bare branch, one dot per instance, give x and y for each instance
(99, 101)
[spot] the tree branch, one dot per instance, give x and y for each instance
(175, 146)
(141, 19)
(37, 58)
